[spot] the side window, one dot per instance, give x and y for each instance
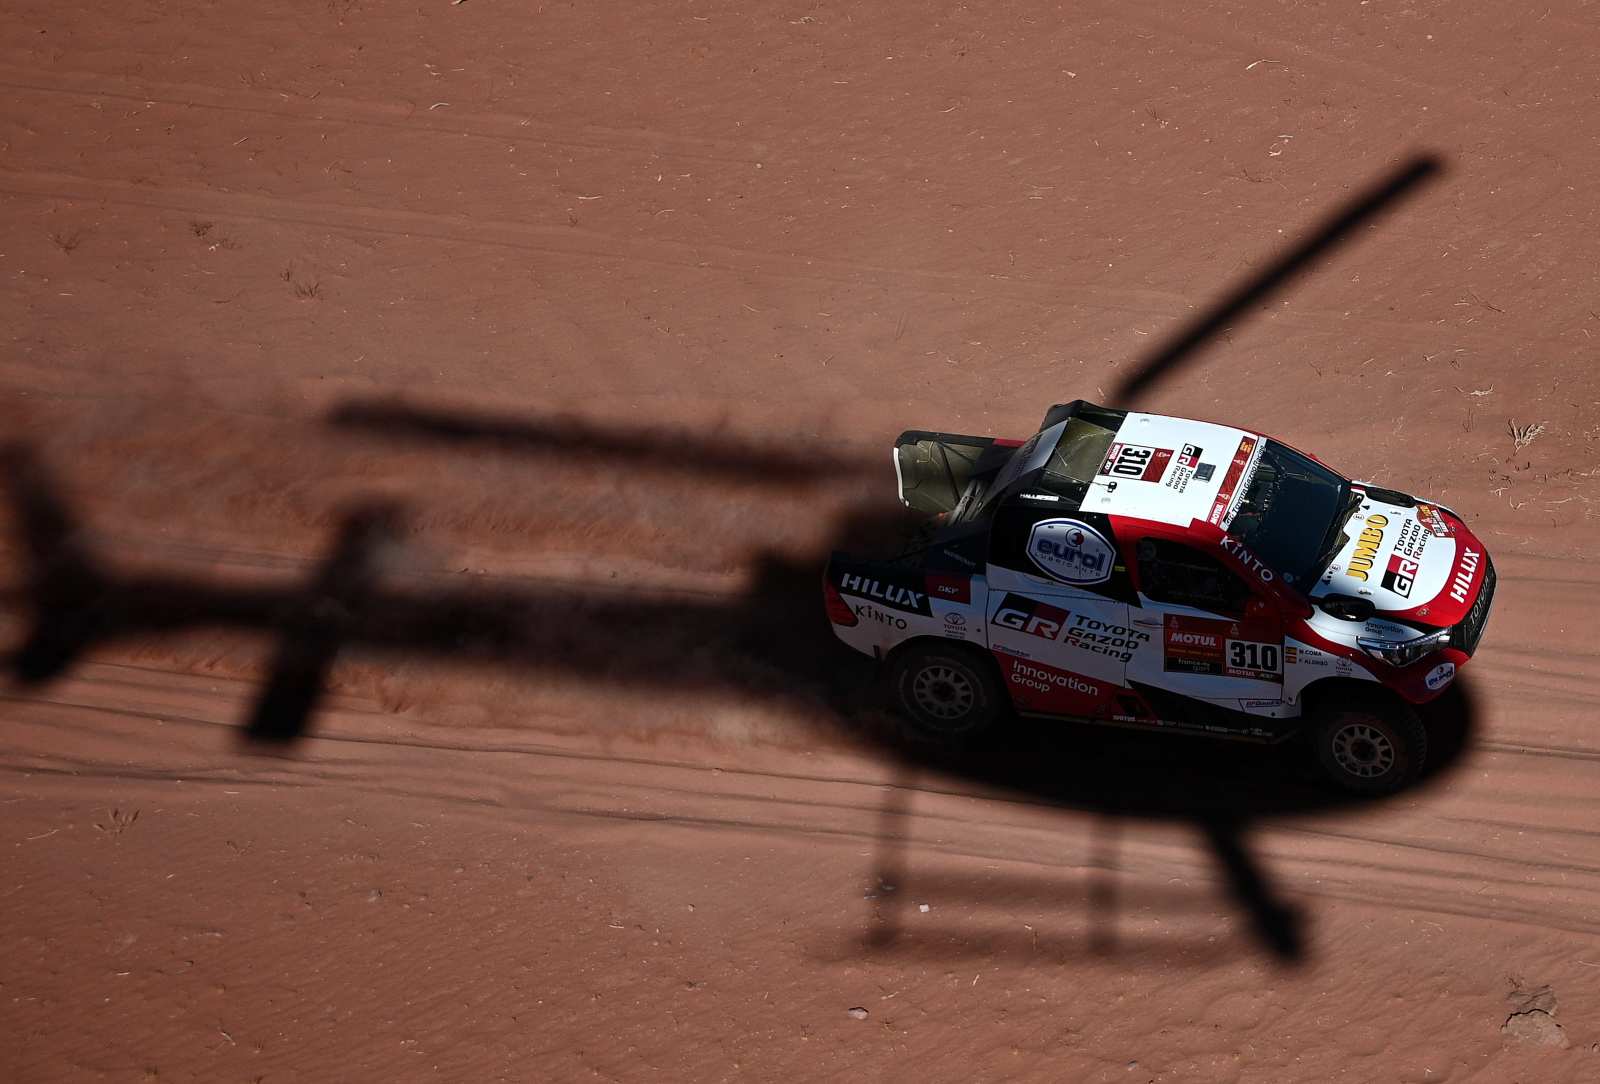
(1175, 573)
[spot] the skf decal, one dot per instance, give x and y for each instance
(1070, 551)
(1249, 560)
(1367, 544)
(950, 588)
(1136, 461)
(889, 594)
(1231, 481)
(1401, 574)
(1463, 579)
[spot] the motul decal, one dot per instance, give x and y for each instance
(1204, 645)
(1401, 574)
(1231, 480)
(950, 588)
(1136, 462)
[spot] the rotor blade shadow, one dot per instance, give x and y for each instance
(1170, 355)
(570, 438)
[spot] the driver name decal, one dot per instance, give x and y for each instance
(1071, 551)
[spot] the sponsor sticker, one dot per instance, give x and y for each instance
(1234, 482)
(882, 617)
(1183, 469)
(1401, 575)
(1136, 462)
(1462, 582)
(1023, 614)
(1071, 551)
(1368, 542)
(1440, 676)
(1039, 687)
(1203, 645)
(1249, 560)
(1431, 519)
(895, 595)
(949, 588)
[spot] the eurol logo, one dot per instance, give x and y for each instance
(1071, 551)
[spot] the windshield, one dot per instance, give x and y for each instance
(1292, 512)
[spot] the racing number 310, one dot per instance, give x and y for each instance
(1250, 656)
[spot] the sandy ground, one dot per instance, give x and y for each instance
(795, 229)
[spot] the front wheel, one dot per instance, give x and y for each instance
(946, 696)
(1368, 743)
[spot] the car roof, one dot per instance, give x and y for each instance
(1174, 471)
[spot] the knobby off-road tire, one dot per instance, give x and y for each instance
(946, 695)
(1366, 741)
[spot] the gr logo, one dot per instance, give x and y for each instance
(1071, 551)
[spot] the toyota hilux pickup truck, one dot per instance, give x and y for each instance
(1148, 571)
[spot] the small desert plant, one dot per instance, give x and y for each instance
(1523, 435)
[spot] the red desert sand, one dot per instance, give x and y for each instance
(799, 228)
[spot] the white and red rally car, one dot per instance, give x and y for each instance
(1151, 571)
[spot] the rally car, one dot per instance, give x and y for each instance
(1152, 571)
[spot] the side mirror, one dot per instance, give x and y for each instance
(1348, 607)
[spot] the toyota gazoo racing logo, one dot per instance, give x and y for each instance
(1070, 551)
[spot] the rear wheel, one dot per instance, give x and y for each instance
(1367, 742)
(946, 695)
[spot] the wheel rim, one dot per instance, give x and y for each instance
(943, 692)
(1363, 750)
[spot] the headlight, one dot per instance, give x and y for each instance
(1404, 652)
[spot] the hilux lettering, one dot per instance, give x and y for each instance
(888, 593)
(1463, 580)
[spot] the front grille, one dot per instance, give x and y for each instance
(1467, 634)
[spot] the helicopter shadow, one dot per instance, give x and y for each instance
(772, 639)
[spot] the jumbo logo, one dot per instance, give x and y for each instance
(1367, 543)
(1070, 551)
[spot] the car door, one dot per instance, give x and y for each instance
(1058, 615)
(1220, 641)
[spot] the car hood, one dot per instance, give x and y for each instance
(1414, 561)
